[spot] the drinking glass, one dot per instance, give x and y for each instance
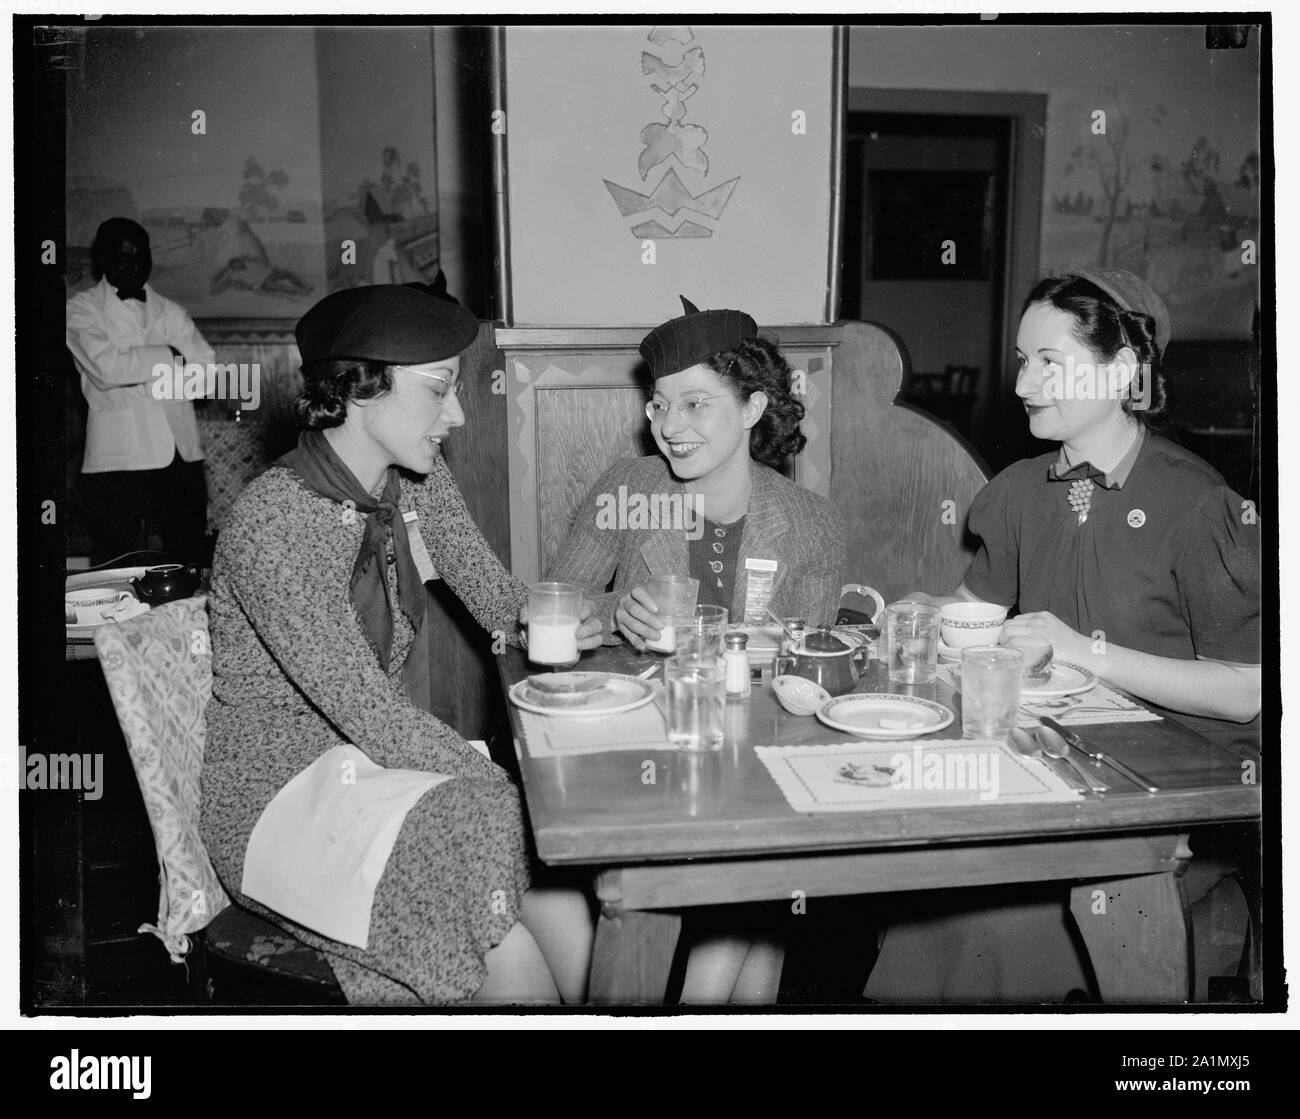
(912, 641)
(990, 690)
(674, 597)
(554, 610)
(702, 635)
(697, 701)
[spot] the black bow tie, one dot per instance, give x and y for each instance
(124, 295)
(1075, 473)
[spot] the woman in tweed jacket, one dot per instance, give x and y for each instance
(724, 418)
(316, 561)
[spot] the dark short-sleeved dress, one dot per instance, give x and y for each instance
(294, 677)
(1167, 563)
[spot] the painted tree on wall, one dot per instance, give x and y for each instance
(1112, 153)
(255, 195)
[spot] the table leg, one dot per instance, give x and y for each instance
(1137, 934)
(634, 950)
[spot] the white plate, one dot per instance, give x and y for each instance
(117, 578)
(863, 714)
(1066, 679)
(949, 654)
(617, 694)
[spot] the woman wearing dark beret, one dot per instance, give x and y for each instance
(725, 420)
(332, 800)
(1131, 557)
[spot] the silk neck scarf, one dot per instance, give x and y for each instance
(323, 472)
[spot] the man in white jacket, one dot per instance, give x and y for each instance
(143, 459)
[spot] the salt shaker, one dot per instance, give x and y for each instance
(736, 664)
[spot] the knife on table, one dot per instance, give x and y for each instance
(1076, 743)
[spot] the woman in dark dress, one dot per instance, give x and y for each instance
(1130, 557)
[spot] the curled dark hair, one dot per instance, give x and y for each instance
(757, 366)
(1105, 328)
(327, 386)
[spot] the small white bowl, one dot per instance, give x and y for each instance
(799, 696)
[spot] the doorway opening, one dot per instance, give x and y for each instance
(943, 196)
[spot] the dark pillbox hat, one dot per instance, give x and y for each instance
(388, 323)
(690, 339)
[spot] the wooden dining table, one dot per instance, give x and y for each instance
(663, 831)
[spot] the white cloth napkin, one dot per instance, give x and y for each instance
(912, 773)
(318, 850)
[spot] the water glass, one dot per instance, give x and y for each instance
(990, 691)
(702, 635)
(912, 641)
(554, 610)
(697, 701)
(674, 597)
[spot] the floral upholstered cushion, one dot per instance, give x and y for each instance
(159, 672)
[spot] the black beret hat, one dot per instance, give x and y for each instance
(390, 323)
(690, 339)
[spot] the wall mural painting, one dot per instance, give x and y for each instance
(392, 225)
(673, 73)
(1185, 218)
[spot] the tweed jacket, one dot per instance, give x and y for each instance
(802, 532)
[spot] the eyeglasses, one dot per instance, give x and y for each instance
(657, 410)
(453, 386)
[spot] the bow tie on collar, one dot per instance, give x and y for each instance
(1084, 471)
(124, 295)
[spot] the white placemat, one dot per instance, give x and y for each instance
(1101, 704)
(554, 736)
(860, 776)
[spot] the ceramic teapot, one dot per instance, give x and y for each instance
(167, 583)
(827, 660)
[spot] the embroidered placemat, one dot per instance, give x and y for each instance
(553, 736)
(934, 773)
(1100, 704)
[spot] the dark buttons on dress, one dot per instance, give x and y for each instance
(392, 558)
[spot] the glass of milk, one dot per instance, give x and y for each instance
(674, 597)
(554, 610)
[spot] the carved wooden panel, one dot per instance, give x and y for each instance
(580, 432)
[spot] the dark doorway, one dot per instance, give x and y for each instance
(926, 252)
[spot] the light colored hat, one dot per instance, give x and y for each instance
(1132, 293)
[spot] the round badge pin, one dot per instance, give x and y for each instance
(1136, 518)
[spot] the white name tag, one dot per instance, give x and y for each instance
(419, 553)
(760, 579)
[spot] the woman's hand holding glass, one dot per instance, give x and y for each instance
(638, 619)
(590, 628)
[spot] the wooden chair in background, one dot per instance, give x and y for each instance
(903, 480)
